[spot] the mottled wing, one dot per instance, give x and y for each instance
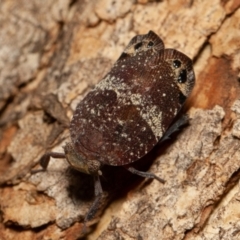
(127, 113)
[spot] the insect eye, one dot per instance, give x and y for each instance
(150, 44)
(176, 64)
(182, 78)
(137, 46)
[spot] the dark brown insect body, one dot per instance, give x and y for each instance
(128, 112)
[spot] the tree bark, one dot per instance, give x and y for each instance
(51, 54)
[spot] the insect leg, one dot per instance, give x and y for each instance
(182, 121)
(44, 160)
(144, 174)
(98, 204)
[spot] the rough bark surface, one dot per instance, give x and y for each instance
(51, 54)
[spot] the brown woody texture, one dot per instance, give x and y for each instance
(51, 54)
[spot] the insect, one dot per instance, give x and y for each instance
(129, 110)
